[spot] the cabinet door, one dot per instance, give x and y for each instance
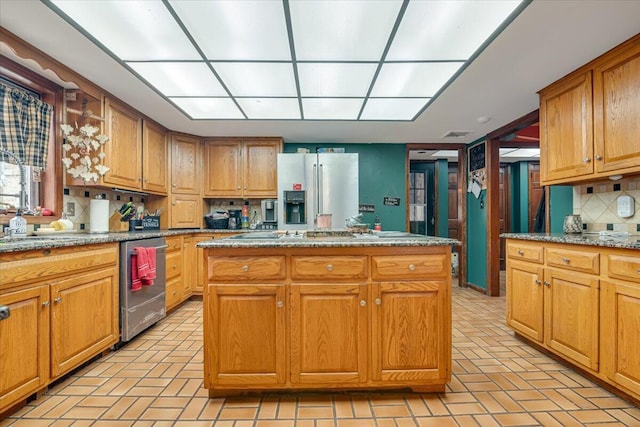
(571, 306)
(185, 165)
(174, 272)
(329, 333)
(566, 129)
(525, 298)
(123, 151)
(84, 318)
(260, 165)
(189, 266)
(411, 331)
(620, 346)
(246, 326)
(155, 158)
(24, 367)
(186, 211)
(616, 97)
(223, 168)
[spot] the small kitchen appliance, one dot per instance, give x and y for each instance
(269, 211)
(235, 218)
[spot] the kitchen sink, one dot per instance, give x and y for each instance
(255, 236)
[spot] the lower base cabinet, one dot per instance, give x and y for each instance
(327, 318)
(581, 303)
(63, 311)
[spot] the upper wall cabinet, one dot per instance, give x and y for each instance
(185, 164)
(245, 168)
(137, 151)
(589, 123)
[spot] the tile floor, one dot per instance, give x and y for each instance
(497, 381)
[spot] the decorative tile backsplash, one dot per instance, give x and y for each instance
(596, 203)
(80, 197)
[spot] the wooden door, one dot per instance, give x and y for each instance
(525, 299)
(620, 347)
(246, 325)
(410, 332)
(566, 129)
(24, 344)
(535, 194)
(616, 95)
(123, 151)
(260, 165)
(223, 169)
(185, 165)
(329, 333)
(84, 318)
(186, 211)
(155, 158)
(571, 307)
(453, 213)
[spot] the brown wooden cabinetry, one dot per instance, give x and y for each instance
(581, 303)
(185, 164)
(244, 168)
(64, 310)
(123, 151)
(174, 265)
(340, 309)
(155, 158)
(589, 119)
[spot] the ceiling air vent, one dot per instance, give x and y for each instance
(456, 133)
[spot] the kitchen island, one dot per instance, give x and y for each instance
(336, 311)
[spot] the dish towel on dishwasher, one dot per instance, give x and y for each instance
(150, 273)
(143, 267)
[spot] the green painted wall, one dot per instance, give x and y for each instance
(382, 173)
(476, 238)
(442, 169)
(519, 197)
(561, 201)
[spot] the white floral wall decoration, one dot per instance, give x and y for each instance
(82, 154)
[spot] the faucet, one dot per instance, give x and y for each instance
(22, 196)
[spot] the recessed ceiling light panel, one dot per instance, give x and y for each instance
(331, 108)
(270, 108)
(335, 79)
(180, 78)
(209, 108)
(413, 79)
(257, 79)
(392, 108)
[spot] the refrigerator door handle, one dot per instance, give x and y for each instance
(316, 195)
(320, 191)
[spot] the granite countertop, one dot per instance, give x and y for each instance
(330, 240)
(625, 242)
(82, 238)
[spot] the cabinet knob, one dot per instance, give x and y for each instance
(58, 300)
(174, 266)
(280, 304)
(412, 267)
(45, 304)
(639, 271)
(538, 282)
(520, 252)
(245, 268)
(566, 260)
(237, 188)
(547, 284)
(378, 301)
(173, 185)
(330, 267)
(598, 157)
(245, 188)
(363, 303)
(587, 160)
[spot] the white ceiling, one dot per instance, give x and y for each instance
(545, 42)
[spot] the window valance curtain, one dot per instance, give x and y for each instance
(25, 123)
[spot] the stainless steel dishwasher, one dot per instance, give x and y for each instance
(142, 308)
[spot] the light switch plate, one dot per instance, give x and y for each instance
(626, 206)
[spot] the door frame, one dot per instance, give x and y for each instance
(462, 199)
(494, 142)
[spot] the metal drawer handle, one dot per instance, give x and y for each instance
(378, 301)
(245, 268)
(45, 304)
(58, 300)
(639, 271)
(587, 160)
(520, 252)
(330, 267)
(566, 260)
(598, 157)
(280, 304)
(538, 282)
(547, 284)
(412, 267)
(363, 303)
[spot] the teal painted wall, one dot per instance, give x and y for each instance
(519, 197)
(561, 202)
(476, 238)
(442, 169)
(382, 173)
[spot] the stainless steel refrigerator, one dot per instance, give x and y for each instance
(322, 183)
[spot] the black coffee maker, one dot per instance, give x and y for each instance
(235, 216)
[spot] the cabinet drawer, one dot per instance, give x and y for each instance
(174, 243)
(624, 267)
(173, 293)
(243, 269)
(328, 267)
(412, 267)
(525, 252)
(587, 262)
(174, 264)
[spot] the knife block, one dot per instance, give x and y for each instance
(115, 225)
